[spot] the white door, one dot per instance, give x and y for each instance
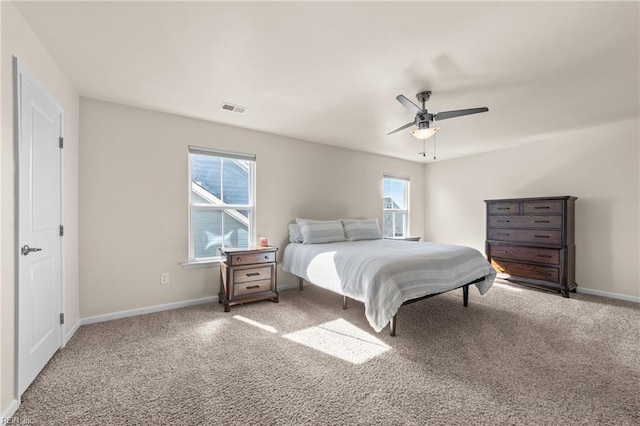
(39, 289)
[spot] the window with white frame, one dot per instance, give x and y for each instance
(395, 206)
(221, 201)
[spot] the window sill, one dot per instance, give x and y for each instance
(193, 264)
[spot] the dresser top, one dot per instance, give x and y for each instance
(563, 197)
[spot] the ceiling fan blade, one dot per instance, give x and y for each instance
(413, 108)
(401, 128)
(458, 113)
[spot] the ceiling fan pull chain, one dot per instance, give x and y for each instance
(434, 146)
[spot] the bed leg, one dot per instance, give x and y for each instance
(344, 302)
(392, 326)
(465, 295)
(300, 281)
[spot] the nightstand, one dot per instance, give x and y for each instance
(247, 274)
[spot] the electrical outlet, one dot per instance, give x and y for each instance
(164, 278)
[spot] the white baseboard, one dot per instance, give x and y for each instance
(71, 332)
(608, 294)
(146, 310)
(156, 308)
(9, 412)
(287, 286)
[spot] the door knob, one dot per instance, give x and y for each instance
(26, 249)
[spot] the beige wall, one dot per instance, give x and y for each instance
(134, 189)
(18, 40)
(598, 165)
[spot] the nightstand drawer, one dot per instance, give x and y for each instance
(251, 287)
(252, 274)
(250, 258)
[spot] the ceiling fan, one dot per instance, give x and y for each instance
(423, 117)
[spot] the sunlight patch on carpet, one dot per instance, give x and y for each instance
(255, 323)
(210, 329)
(507, 286)
(342, 340)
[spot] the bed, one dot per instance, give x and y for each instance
(385, 274)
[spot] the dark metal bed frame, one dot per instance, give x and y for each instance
(392, 323)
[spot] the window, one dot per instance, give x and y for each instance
(221, 201)
(395, 206)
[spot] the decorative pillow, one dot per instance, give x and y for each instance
(295, 236)
(356, 230)
(320, 231)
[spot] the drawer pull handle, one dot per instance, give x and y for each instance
(251, 287)
(542, 207)
(545, 256)
(266, 257)
(542, 221)
(253, 274)
(542, 236)
(238, 259)
(503, 208)
(502, 233)
(504, 221)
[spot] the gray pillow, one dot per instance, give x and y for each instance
(367, 229)
(295, 236)
(320, 231)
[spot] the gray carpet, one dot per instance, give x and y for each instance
(515, 356)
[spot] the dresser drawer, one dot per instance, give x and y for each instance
(541, 236)
(250, 258)
(251, 287)
(531, 254)
(545, 273)
(252, 274)
(542, 207)
(503, 208)
(538, 222)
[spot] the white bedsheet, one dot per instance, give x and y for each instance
(383, 274)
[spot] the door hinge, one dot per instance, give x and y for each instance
(61, 318)
(61, 230)
(61, 142)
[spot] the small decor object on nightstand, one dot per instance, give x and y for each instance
(247, 274)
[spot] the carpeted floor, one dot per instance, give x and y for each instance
(514, 356)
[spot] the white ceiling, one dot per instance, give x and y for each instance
(330, 72)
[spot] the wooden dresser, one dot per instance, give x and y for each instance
(531, 241)
(247, 274)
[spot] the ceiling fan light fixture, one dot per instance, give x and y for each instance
(425, 133)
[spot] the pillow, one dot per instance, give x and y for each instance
(356, 230)
(295, 236)
(320, 231)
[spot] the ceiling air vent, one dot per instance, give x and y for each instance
(233, 108)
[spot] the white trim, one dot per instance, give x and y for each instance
(220, 153)
(147, 310)
(10, 411)
(71, 332)
(194, 264)
(608, 294)
(288, 286)
(20, 72)
(63, 135)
